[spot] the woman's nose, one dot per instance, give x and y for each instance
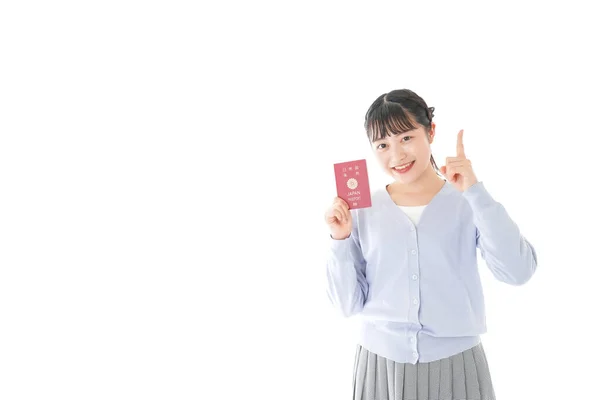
(398, 153)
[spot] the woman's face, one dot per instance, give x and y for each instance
(405, 156)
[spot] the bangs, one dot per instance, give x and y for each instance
(388, 119)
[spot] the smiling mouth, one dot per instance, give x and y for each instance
(403, 167)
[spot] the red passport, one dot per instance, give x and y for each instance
(352, 183)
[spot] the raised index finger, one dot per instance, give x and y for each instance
(460, 148)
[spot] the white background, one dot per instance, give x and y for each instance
(165, 167)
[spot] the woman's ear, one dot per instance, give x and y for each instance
(432, 132)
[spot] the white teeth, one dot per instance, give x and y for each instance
(403, 166)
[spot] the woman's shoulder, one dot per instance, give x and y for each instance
(380, 204)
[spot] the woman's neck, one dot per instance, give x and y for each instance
(427, 183)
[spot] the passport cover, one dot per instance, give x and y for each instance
(352, 183)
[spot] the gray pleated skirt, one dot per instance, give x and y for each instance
(463, 376)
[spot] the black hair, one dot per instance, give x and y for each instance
(397, 112)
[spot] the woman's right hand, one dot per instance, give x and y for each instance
(339, 219)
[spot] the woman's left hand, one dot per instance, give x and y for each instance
(458, 170)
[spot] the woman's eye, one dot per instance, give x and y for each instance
(379, 146)
(405, 137)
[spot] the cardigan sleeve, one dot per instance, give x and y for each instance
(347, 286)
(508, 254)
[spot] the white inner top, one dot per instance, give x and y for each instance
(413, 212)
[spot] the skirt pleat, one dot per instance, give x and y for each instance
(463, 376)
